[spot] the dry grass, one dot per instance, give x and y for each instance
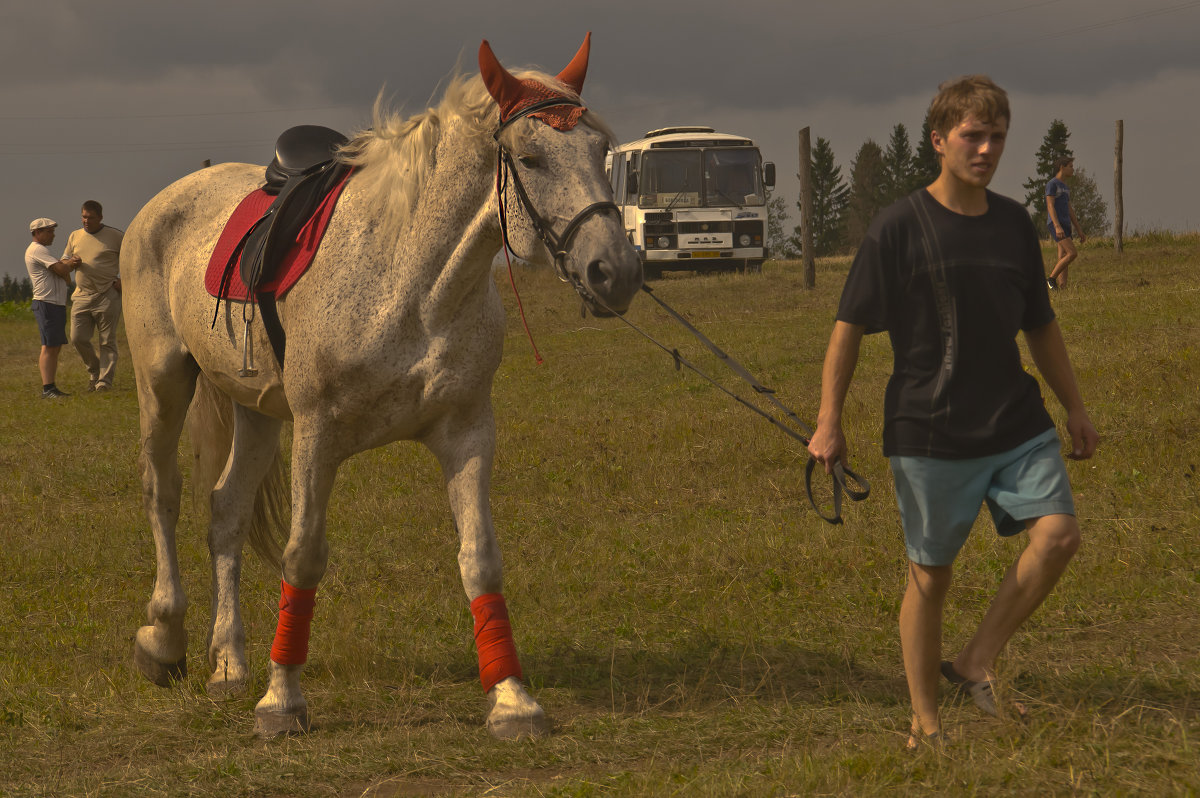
(689, 625)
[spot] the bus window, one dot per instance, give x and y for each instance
(670, 179)
(732, 178)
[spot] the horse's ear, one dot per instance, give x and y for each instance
(503, 87)
(576, 71)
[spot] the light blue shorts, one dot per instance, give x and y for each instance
(940, 499)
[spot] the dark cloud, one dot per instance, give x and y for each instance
(116, 99)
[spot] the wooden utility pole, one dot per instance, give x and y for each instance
(806, 202)
(1118, 199)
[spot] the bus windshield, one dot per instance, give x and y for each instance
(692, 178)
(732, 177)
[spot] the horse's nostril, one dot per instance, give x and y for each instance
(599, 275)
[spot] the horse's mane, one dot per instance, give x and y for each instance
(396, 154)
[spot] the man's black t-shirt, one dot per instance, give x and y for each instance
(952, 292)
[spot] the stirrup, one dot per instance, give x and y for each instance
(247, 369)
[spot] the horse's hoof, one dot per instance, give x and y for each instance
(221, 689)
(517, 728)
(269, 724)
(163, 675)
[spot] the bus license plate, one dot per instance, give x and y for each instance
(704, 253)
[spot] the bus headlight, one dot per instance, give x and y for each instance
(744, 240)
(664, 241)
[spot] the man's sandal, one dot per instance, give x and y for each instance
(917, 738)
(980, 692)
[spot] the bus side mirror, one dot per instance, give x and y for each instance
(769, 174)
(631, 183)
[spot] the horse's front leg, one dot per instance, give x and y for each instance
(466, 457)
(283, 709)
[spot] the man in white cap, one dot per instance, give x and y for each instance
(50, 288)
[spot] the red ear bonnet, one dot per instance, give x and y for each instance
(576, 71)
(512, 94)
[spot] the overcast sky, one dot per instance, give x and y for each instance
(113, 101)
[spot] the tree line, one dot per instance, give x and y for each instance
(15, 290)
(843, 205)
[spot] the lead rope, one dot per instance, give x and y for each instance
(845, 481)
(501, 213)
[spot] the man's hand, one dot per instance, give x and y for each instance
(828, 446)
(1084, 438)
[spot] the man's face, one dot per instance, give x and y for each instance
(91, 220)
(44, 236)
(971, 151)
(1068, 169)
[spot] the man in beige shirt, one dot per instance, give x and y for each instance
(96, 303)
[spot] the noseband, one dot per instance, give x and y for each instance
(557, 244)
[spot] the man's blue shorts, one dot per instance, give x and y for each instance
(52, 322)
(1066, 228)
(939, 499)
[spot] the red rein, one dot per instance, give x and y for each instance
(493, 639)
(295, 618)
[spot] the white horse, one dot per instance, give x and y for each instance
(393, 334)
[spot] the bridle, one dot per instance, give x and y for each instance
(557, 244)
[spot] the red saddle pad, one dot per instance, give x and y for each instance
(293, 265)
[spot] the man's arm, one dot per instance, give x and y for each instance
(1076, 227)
(63, 267)
(1054, 222)
(828, 444)
(1050, 355)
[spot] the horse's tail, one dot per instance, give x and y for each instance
(210, 424)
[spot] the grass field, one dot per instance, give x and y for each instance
(686, 621)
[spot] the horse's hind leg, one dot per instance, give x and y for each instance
(254, 449)
(165, 385)
(466, 454)
(283, 709)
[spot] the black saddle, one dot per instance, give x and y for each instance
(300, 176)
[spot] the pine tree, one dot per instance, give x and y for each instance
(866, 191)
(830, 195)
(926, 163)
(899, 166)
(1090, 207)
(778, 243)
(1054, 146)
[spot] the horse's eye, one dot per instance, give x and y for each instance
(528, 161)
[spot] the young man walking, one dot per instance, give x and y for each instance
(1061, 221)
(952, 272)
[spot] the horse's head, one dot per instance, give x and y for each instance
(558, 202)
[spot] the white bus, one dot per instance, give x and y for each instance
(694, 199)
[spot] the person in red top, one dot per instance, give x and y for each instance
(953, 272)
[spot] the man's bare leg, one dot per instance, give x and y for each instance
(1053, 541)
(921, 641)
(1066, 254)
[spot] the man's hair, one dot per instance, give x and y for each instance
(1061, 162)
(93, 206)
(970, 95)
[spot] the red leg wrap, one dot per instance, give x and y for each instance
(493, 639)
(295, 617)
